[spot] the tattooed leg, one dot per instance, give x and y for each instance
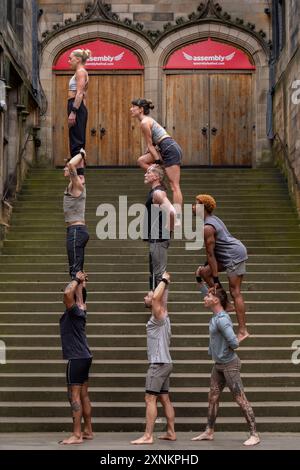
(75, 402)
(235, 384)
(217, 383)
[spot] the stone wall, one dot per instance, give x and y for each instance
(287, 102)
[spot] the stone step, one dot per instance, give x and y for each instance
(129, 352)
(138, 380)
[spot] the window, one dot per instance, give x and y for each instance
(15, 17)
(279, 27)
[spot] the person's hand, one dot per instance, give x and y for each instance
(81, 276)
(199, 270)
(167, 276)
(71, 119)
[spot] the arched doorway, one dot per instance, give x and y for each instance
(115, 77)
(209, 103)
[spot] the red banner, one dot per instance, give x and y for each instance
(104, 56)
(209, 54)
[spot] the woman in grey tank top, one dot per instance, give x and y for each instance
(74, 212)
(170, 153)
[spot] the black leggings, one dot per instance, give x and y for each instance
(77, 132)
(77, 238)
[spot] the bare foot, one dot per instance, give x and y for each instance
(72, 440)
(242, 335)
(252, 441)
(205, 436)
(88, 435)
(168, 437)
(143, 440)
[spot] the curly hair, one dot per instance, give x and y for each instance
(208, 202)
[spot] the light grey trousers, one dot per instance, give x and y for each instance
(158, 257)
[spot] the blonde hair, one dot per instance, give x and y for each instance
(158, 170)
(83, 54)
(208, 202)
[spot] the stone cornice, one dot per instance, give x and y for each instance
(209, 11)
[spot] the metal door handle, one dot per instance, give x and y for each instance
(102, 132)
(214, 130)
(93, 131)
(204, 130)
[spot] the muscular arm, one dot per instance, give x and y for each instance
(77, 185)
(146, 129)
(158, 300)
(69, 299)
(160, 197)
(210, 241)
(227, 331)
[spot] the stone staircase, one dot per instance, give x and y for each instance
(33, 271)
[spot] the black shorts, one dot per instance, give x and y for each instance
(78, 371)
(170, 151)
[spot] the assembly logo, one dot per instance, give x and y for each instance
(105, 59)
(209, 60)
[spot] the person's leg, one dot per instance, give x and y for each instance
(86, 412)
(235, 283)
(217, 384)
(235, 385)
(71, 236)
(145, 161)
(169, 412)
(77, 246)
(151, 415)
(77, 133)
(76, 408)
(173, 174)
(159, 256)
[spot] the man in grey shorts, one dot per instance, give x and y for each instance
(160, 363)
(158, 224)
(224, 253)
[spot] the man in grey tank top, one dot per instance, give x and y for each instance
(160, 363)
(224, 253)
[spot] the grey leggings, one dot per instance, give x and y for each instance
(228, 374)
(158, 256)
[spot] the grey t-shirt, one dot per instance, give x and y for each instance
(228, 249)
(158, 340)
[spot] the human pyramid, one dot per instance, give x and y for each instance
(224, 253)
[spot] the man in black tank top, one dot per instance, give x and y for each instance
(158, 224)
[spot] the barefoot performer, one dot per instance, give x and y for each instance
(160, 363)
(226, 370)
(224, 253)
(76, 351)
(161, 148)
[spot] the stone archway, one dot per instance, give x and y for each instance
(251, 46)
(82, 33)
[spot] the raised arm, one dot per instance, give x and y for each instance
(159, 299)
(76, 181)
(69, 292)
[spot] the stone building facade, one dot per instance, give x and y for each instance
(19, 116)
(286, 39)
(154, 30)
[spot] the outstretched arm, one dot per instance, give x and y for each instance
(69, 293)
(160, 297)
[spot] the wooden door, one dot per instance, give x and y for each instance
(231, 126)
(187, 116)
(210, 115)
(121, 138)
(112, 137)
